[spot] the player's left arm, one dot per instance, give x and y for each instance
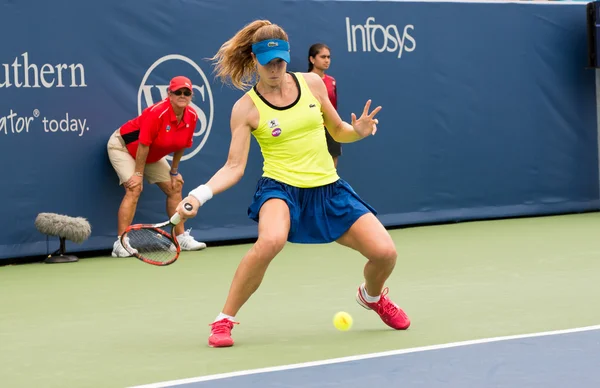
(341, 131)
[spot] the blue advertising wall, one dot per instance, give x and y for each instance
(488, 109)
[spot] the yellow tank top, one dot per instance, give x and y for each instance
(292, 139)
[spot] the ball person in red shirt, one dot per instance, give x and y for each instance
(319, 59)
(139, 148)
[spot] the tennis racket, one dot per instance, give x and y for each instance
(151, 243)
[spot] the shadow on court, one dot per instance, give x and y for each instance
(557, 360)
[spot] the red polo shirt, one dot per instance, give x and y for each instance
(157, 127)
(331, 89)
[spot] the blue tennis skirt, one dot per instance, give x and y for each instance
(318, 215)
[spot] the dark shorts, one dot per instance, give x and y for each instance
(334, 148)
(318, 215)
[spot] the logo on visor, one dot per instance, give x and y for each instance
(272, 44)
(154, 88)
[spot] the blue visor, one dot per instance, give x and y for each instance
(269, 49)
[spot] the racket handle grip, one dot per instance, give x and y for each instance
(176, 218)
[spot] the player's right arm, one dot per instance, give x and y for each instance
(244, 116)
(239, 147)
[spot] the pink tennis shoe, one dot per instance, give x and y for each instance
(220, 333)
(388, 311)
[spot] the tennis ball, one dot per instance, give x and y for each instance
(342, 321)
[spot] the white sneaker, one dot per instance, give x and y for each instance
(119, 250)
(188, 243)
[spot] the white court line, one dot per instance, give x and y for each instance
(363, 357)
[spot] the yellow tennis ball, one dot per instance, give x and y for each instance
(342, 321)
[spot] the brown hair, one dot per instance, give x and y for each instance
(234, 62)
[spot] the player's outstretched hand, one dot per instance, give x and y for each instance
(366, 124)
(185, 213)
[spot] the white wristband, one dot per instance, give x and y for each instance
(202, 193)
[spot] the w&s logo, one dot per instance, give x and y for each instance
(155, 85)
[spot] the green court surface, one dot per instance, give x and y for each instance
(106, 322)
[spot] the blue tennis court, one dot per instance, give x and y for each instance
(568, 358)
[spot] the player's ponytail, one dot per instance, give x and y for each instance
(234, 63)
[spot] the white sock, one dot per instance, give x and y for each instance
(223, 316)
(368, 298)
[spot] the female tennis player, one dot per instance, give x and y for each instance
(300, 197)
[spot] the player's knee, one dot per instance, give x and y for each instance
(271, 244)
(386, 253)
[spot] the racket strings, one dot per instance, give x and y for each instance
(152, 245)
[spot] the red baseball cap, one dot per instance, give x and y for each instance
(180, 82)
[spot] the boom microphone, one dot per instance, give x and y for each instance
(76, 229)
